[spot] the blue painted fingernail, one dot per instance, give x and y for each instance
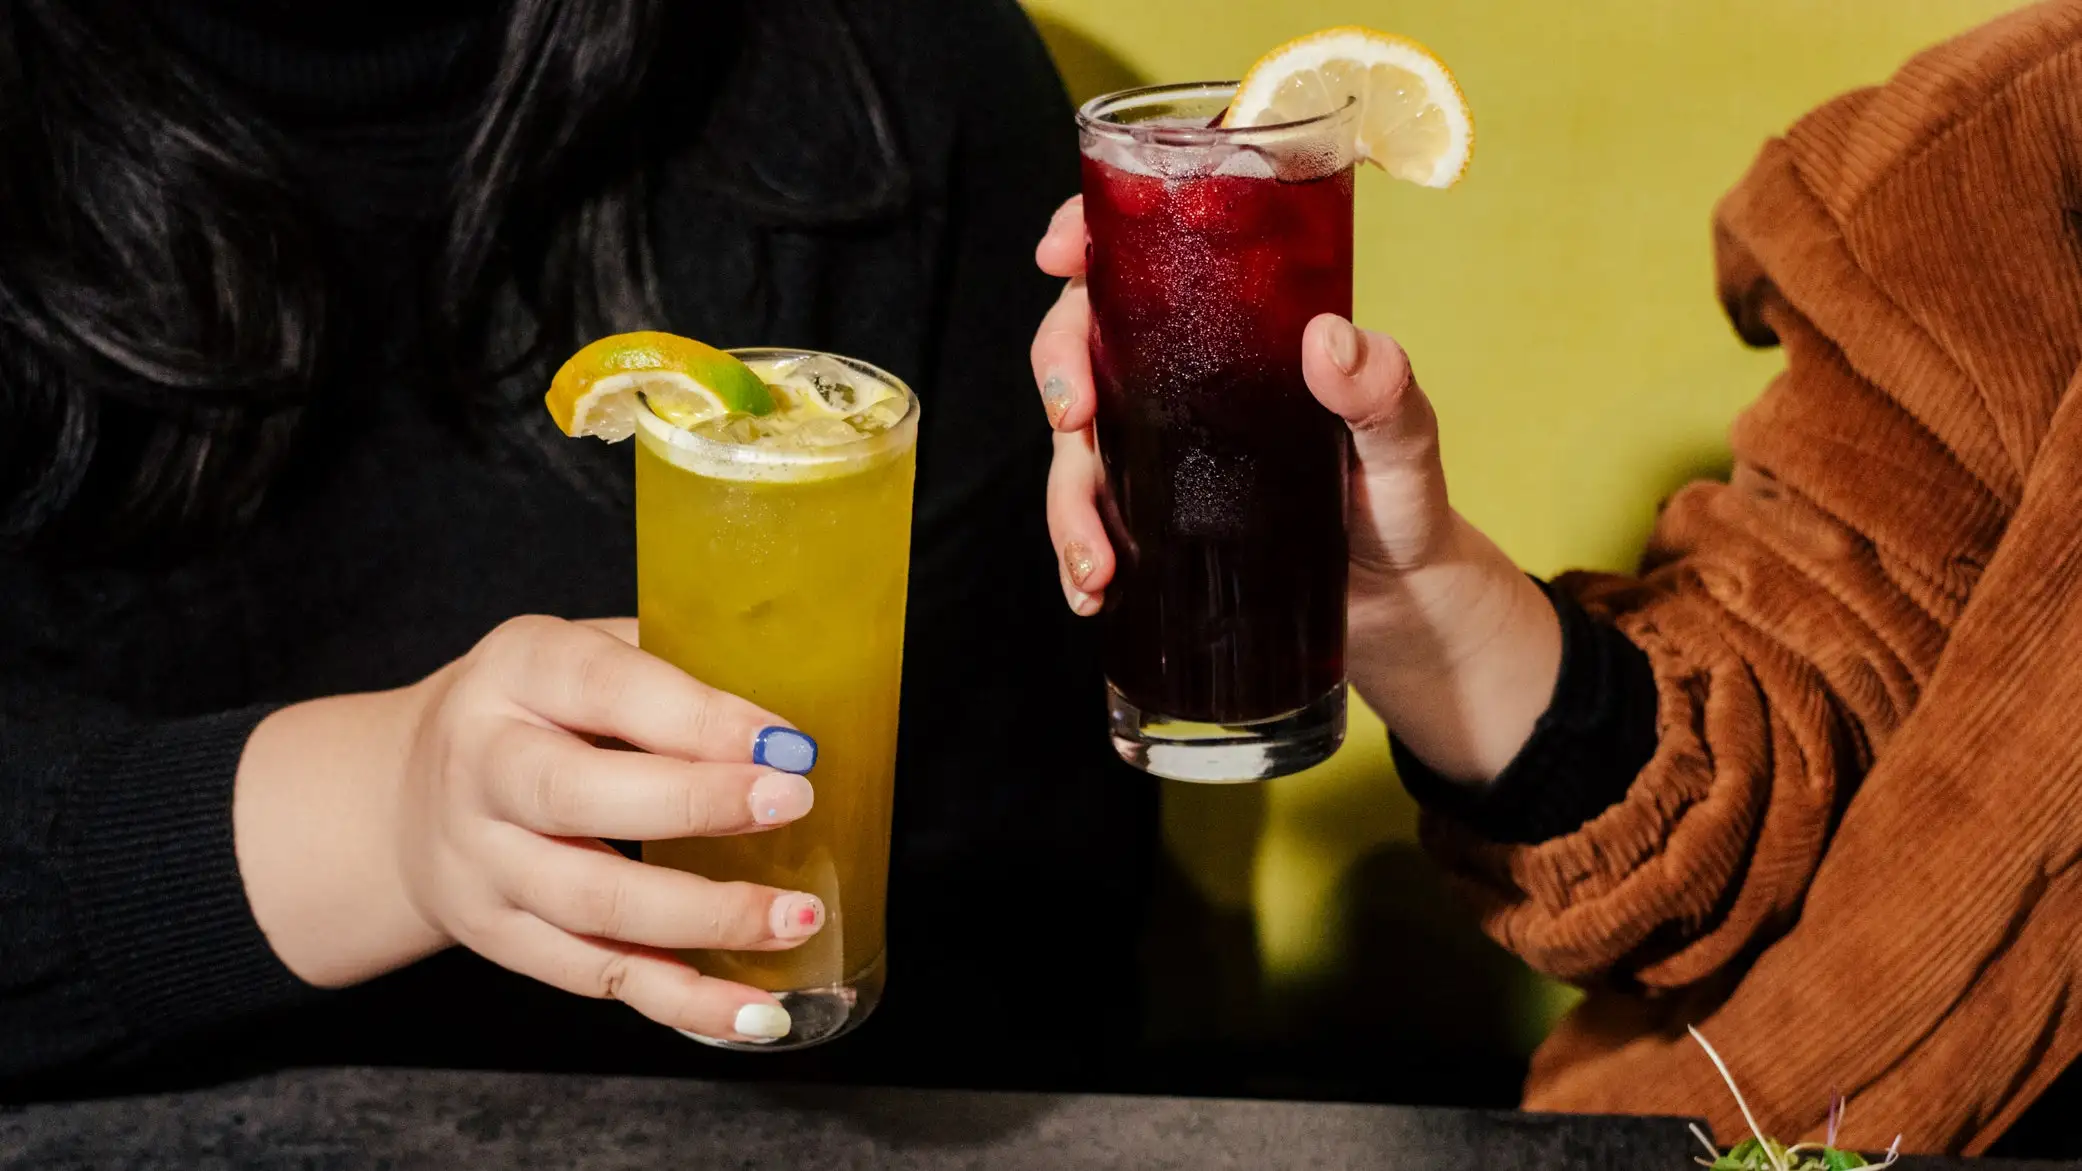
(785, 749)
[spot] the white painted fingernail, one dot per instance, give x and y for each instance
(767, 1022)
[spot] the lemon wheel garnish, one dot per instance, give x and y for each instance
(1413, 121)
(684, 381)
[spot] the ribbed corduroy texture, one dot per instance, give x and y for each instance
(1851, 859)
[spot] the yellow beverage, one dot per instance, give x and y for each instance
(772, 556)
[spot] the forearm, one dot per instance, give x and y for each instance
(313, 813)
(1458, 656)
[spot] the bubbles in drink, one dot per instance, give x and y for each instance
(1209, 493)
(1122, 156)
(824, 433)
(1247, 162)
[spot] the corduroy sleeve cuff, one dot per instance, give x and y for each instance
(154, 880)
(1597, 734)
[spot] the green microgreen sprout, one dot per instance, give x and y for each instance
(1758, 1153)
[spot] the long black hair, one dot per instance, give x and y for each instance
(163, 311)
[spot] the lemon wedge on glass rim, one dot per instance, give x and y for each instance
(686, 383)
(1413, 121)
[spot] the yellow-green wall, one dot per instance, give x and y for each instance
(1560, 310)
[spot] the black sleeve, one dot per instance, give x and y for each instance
(1000, 635)
(1595, 737)
(1012, 805)
(123, 919)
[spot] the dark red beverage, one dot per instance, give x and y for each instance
(1225, 479)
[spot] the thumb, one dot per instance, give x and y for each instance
(1365, 379)
(622, 628)
(1399, 507)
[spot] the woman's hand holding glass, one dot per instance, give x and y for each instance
(470, 809)
(1448, 640)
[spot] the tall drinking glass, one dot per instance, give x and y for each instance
(774, 566)
(1225, 481)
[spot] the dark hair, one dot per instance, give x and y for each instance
(163, 308)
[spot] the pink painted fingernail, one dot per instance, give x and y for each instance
(779, 798)
(796, 916)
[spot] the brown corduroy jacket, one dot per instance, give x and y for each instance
(1852, 861)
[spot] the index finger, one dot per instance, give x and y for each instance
(585, 679)
(1061, 251)
(1062, 360)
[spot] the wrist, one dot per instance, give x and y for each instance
(1458, 656)
(1441, 613)
(315, 814)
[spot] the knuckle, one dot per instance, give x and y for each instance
(601, 907)
(612, 976)
(551, 792)
(703, 719)
(746, 920)
(514, 633)
(454, 769)
(600, 677)
(479, 925)
(701, 811)
(533, 779)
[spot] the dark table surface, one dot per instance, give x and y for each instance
(344, 1119)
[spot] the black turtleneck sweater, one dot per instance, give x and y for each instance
(909, 153)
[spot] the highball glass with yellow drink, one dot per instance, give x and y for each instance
(772, 556)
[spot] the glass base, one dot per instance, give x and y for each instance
(816, 1015)
(1184, 750)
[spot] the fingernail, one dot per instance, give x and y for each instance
(1083, 604)
(781, 797)
(785, 749)
(766, 1022)
(1055, 398)
(1344, 345)
(796, 916)
(1077, 562)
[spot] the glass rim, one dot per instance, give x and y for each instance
(1089, 117)
(750, 459)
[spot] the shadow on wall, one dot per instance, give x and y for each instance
(1419, 1009)
(1088, 67)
